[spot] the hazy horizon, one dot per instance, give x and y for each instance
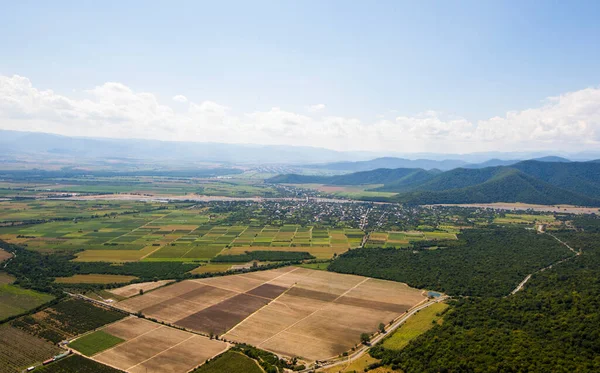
(396, 77)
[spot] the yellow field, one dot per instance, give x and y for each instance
(415, 326)
(320, 252)
(212, 268)
(357, 365)
(95, 279)
(114, 256)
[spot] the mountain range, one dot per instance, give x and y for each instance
(546, 181)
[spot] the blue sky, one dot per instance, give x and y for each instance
(364, 61)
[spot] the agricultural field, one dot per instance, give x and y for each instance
(128, 291)
(95, 279)
(91, 344)
(416, 325)
(4, 255)
(66, 319)
(291, 311)
(21, 350)
(523, 219)
(230, 361)
(182, 235)
(6, 279)
(403, 239)
(15, 300)
(158, 348)
(41, 209)
(77, 364)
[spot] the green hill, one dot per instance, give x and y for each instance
(379, 176)
(535, 181)
(506, 185)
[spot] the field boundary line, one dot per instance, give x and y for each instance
(163, 351)
(315, 311)
(129, 340)
(255, 312)
(141, 226)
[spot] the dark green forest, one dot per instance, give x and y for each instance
(549, 326)
(483, 262)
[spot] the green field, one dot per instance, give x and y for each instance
(404, 239)
(183, 235)
(76, 364)
(319, 266)
(523, 219)
(230, 362)
(91, 344)
(416, 325)
(15, 300)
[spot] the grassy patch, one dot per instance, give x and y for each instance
(318, 266)
(231, 362)
(95, 342)
(416, 325)
(15, 300)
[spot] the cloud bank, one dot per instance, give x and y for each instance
(569, 122)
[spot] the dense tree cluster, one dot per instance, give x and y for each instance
(483, 262)
(38, 271)
(549, 326)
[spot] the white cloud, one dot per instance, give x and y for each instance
(180, 98)
(568, 122)
(315, 108)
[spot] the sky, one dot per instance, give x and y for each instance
(419, 76)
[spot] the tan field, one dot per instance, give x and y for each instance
(291, 311)
(525, 206)
(128, 291)
(154, 348)
(4, 255)
(95, 279)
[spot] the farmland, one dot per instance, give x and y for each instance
(158, 348)
(135, 289)
(404, 239)
(291, 311)
(95, 279)
(15, 300)
(230, 361)
(77, 364)
(4, 255)
(6, 279)
(21, 350)
(415, 326)
(66, 320)
(91, 344)
(173, 235)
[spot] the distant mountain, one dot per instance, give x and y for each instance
(492, 163)
(507, 185)
(45, 145)
(390, 162)
(540, 182)
(379, 176)
(551, 158)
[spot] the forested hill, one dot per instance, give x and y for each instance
(539, 182)
(379, 176)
